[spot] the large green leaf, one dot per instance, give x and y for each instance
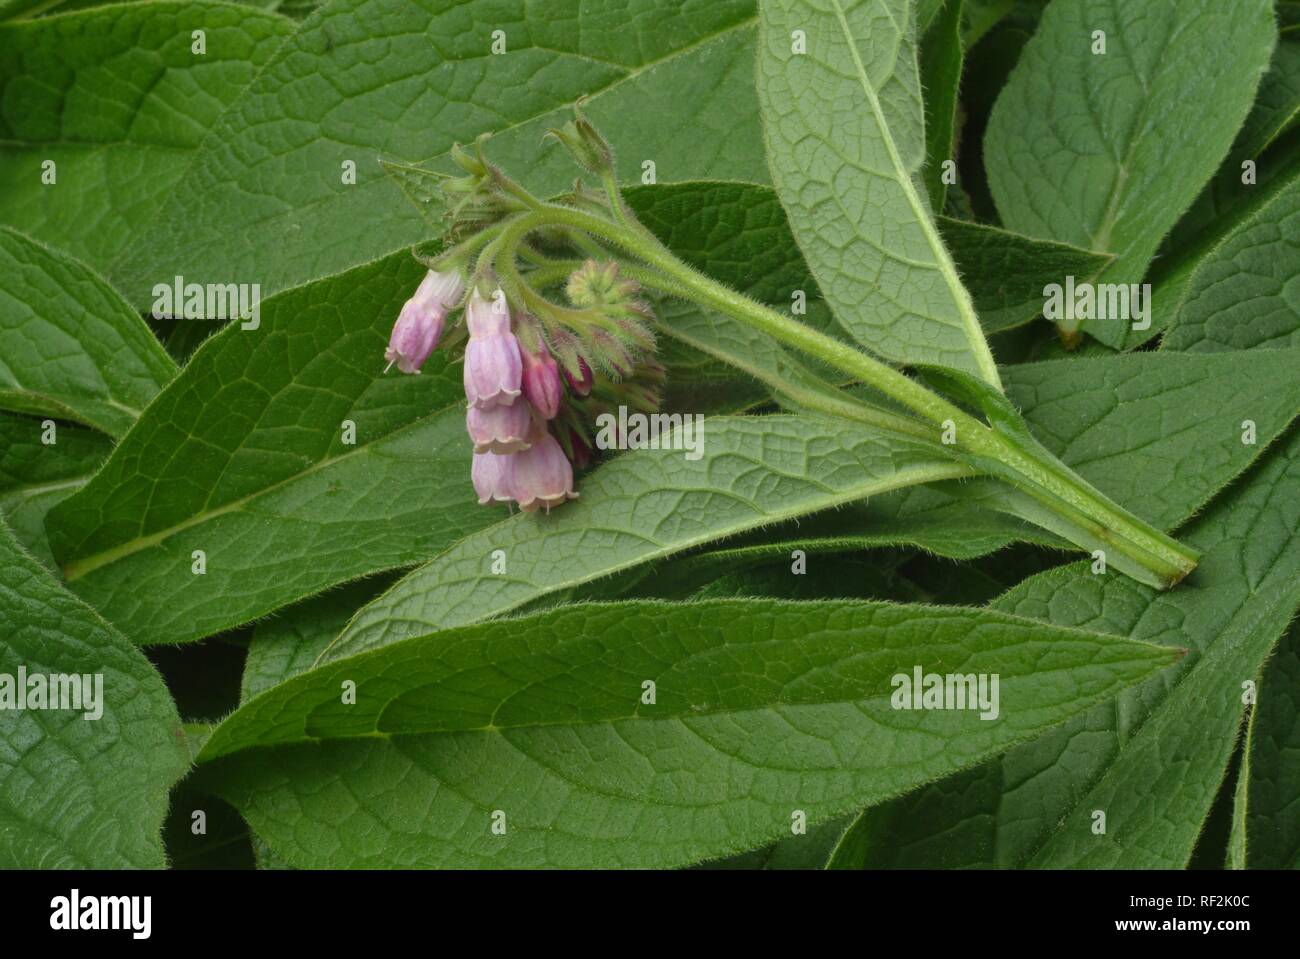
(118, 101)
(1152, 761)
(34, 474)
(1246, 292)
(245, 457)
(646, 505)
(845, 134)
(760, 708)
(1106, 151)
(69, 346)
(77, 792)
(1269, 784)
(404, 79)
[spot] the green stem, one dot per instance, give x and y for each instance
(1046, 480)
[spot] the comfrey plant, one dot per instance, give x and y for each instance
(513, 252)
(834, 294)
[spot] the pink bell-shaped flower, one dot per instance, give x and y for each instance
(542, 474)
(493, 368)
(491, 475)
(499, 429)
(422, 318)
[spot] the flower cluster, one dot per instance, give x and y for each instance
(513, 393)
(537, 371)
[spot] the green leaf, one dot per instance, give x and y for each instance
(1127, 424)
(77, 792)
(940, 62)
(1152, 761)
(1006, 272)
(1264, 820)
(1243, 294)
(738, 233)
(542, 718)
(1159, 433)
(244, 456)
(806, 851)
(646, 505)
(1226, 201)
(69, 346)
(35, 475)
(846, 143)
(364, 79)
(118, 101)
(1106, 151)
(289, 642)
(1277, 108)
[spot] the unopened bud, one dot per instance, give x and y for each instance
(587, 147)
(541, 381)
(580, 384)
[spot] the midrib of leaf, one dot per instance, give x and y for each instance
(910, 476)
(63, 407)
(974, 334)
(78, 568)
(631, 74)
(36, 489)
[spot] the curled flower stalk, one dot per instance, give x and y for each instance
(571, 333)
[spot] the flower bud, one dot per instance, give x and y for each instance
(582, 383)
(541, 381)
(420, 323)
(581, 451)
(587, 147)
(499, 429)
(542, 475)
(493, 368)
(491, 475)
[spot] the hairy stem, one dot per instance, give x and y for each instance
(1161, 559)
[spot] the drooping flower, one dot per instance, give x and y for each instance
(542, 476)
(541, 381)
(493, 367)
(499, 429)
(420, 323)
(491, 474)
